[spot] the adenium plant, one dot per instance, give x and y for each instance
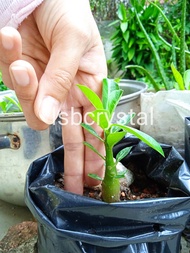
(113, 133)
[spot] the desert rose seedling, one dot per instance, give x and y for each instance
(113, 133)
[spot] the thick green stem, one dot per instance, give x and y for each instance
(174, 34)
(158, 63)
(110, 184)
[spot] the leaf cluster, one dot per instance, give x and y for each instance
(2, 85)
(10, 104)
(130, 46)
(113, 133)
(166, 42)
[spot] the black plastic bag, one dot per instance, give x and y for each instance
(187, 140)
(186, 232)
(71, 223)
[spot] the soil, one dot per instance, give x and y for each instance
(20, 238)
(141, 188)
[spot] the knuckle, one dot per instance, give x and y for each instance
(62, 80)
(24, 95)
(84, 35)
(70, 146)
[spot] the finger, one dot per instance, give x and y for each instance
(93, 162)
(56, 82)
(25, 84)
(66, 45)
(73, 138)
(10, 51)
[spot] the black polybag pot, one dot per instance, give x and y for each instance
(71, 223)
(187, 140)
(186, 232)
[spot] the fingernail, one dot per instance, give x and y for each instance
(20, 75)
(7, 39)
(49, 110)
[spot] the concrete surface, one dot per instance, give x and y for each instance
(11, 215)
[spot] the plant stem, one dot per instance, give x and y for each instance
(155, 54)
(110, 184)
(170, 45)
(149, 76)
(174, 34)
(182, 38)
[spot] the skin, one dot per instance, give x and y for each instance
(55, 48)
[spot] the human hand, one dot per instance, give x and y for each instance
(56, 47)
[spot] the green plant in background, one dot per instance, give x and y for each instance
(105, 10)
(113, 133)
(8, 101)
(2, 86)
(178, 46)
(130, 46)
(182, 82)
(173, 13)
(163, 43)
(9, 104)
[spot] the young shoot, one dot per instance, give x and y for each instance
(113, 133)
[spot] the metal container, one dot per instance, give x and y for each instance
(19, 147)
(130, 100)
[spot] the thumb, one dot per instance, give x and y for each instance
(55, 83)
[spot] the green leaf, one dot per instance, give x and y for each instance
(3, 106)
(122, 15)
(14, 101)
(8, 106)
(113, 23)
(131, 53)
(120, 174)
(94, 176)
(114, 100)
(187, 79)
(139, 57)
(117, 51)
(178, 77)
(111, 94)
(140, 35)
(126, 36)
(91, 96)
(125, 46)
(124, 26)
(146, 72)
(123, 153)
(125, 120)
(149, 11)
(101, 117)
(92, 131)
(151, 142)
(115, 35)
(133, 27)
(138, 4)
(93, 149)
(114, 138)
(131, 42)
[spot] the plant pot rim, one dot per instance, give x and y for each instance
(12, 116)
(135, 89)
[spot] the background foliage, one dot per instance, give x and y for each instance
(2, 86)
(128, 42)
(130, 46)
